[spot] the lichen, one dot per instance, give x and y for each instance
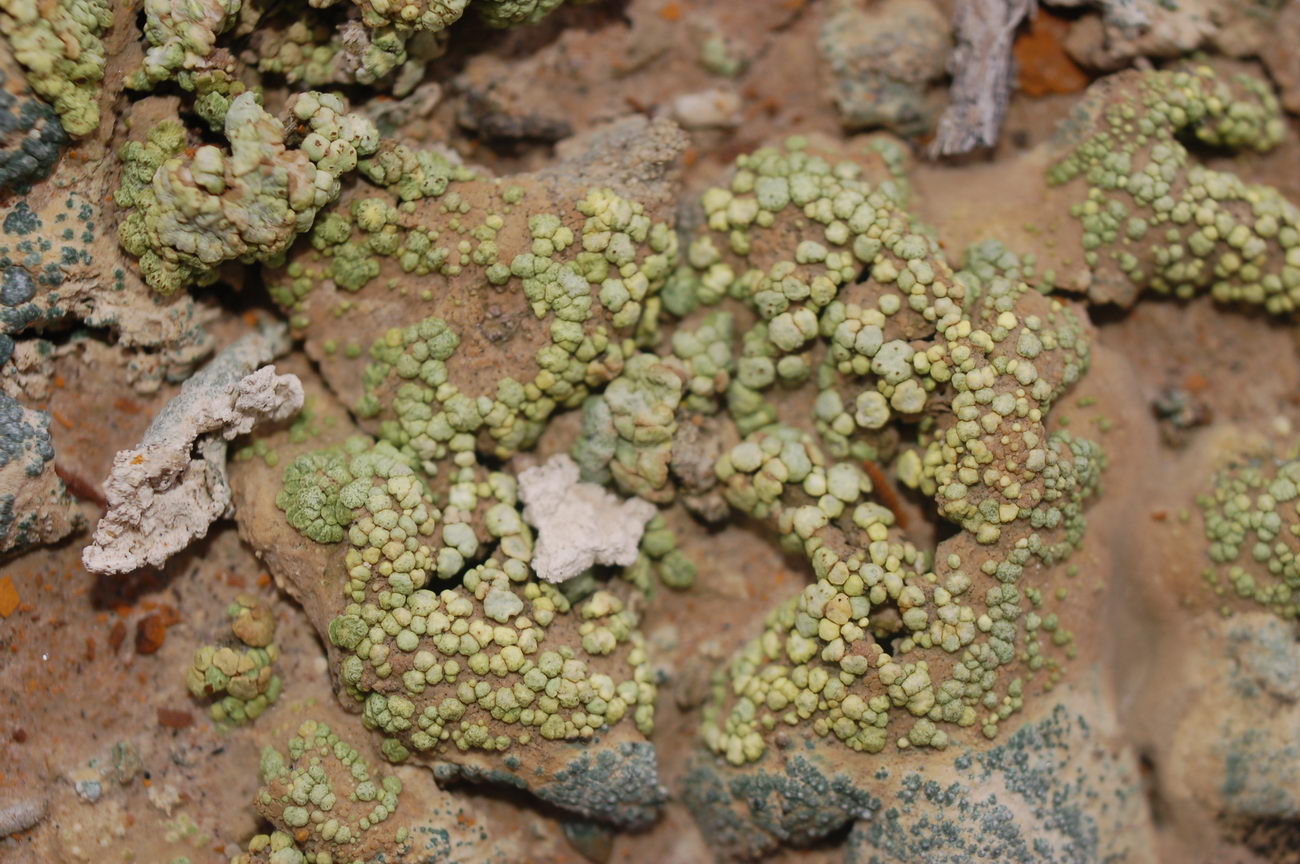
(241, 680)
(1152, 218)
(1252, 527)
(60, 46)
(196, 212)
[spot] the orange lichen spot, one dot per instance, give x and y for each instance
(60, 381)
(150, 631)
(263, 580)
(690, 157)
(127, 406)
(174, 718)
(1044, 65)
(117, 636)
(1159, 515)
(63, 421)
(1196, 384)
(671, 12)
(139, 457)
(250, 318)
(8, 597)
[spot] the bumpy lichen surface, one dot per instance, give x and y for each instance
(443, 656)
(189, 214)
(583, 283)
(1252, 524)
(868, 359)
(239, 678)
(31, 136)
(1153, 218)
(183, 35)
(441, 14)
(326, 803)
(313, 54)
(888, 646)
(59, 44)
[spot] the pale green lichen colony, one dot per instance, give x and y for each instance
(810, 321)
(239, 677)
(60, 45)
(189, 214)
(1252, 525)
(984, 361)
(326, 803)
(1162, 221)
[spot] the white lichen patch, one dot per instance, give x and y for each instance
(578, 524)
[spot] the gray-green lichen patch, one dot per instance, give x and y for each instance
(31, 136)
(881, 61)
(34, 505)
(1028, 800)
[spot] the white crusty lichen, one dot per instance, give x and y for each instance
(578, 524)
(189, 214)
(166, 491)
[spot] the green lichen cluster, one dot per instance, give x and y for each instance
(312, 53)
(448, 640)
(468, 665)
(440, 655)
(196, 212)
(630, 431)
(59, 45)
(611, 267)
(1252, 525)
(435, 15)
(239, 675)
(660, 556)
(945, 377)
(183, 37)
(1153, 218)
(328, 806)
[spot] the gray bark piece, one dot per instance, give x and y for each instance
(161, 494)
(20, 815)
(981, 66)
